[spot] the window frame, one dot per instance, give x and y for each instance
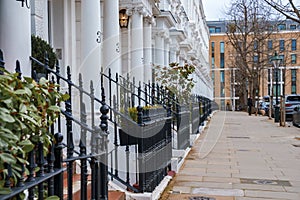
(281, 27)
(293, 61)
(294, 27)
(270, 44)
(281, 45)
(293, 44)
(218, 30)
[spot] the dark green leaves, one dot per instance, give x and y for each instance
(27, 110)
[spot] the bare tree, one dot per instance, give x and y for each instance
(248, 30)
(289, 9)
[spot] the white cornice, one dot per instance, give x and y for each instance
(186, 45)
(168, 16)
(179, 34)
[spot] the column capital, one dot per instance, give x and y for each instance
(136, 10)
(174, 47)
(150, 20)
(161, 33)
(168, 40)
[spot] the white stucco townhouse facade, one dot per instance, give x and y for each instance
(86, 36)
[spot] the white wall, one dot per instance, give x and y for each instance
(15, 35)
(39, 19)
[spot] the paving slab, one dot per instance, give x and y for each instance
(193, 170)
(183, 178)
(244, 186)
(212, 185)
(221, 180)
(182, 189)
(218, 192)
(240, 157)
(294, 189)
(188, 197)
(228, 170)
(272, 194)
(253, 198)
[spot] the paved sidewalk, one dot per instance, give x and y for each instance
(240, 157)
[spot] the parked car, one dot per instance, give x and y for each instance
(262, 107)
(296, 116)
(266, 106)
(291, 102)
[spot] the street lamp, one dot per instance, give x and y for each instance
(276, 62)
(123, 18)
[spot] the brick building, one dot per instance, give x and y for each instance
(284, 39)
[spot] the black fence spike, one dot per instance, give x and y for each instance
(102, 95)
(46, 58)
(7, 182)
(31, 166)
(92, 89)
(69, 73)
(2, 63)
(80, 80)
(58, 164)
(104, 109)
(83, 149)
(57, 68)
(52, 79)
(18, 69)
(118, 105)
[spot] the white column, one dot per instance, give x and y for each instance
(181, 60)
(159, 48)
(69, 36)
(15, 37)
(111, 37)
(164, 5)
(166, 52)
(148, 49)
(39, 19)
(90, 66)
(173, 54)
(137, 53)
(125, 55)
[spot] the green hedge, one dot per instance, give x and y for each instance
(39, 48)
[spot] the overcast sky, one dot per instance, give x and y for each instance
(214, 9)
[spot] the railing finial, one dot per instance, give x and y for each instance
(69, 73)
(18, 69)
(1, 62)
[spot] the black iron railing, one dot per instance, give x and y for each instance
(53, 166)
(142, 119)
(142, 133)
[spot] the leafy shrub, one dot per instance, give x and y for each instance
(27, 109)
(39, 48)
(133, 113)
(176, 79)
